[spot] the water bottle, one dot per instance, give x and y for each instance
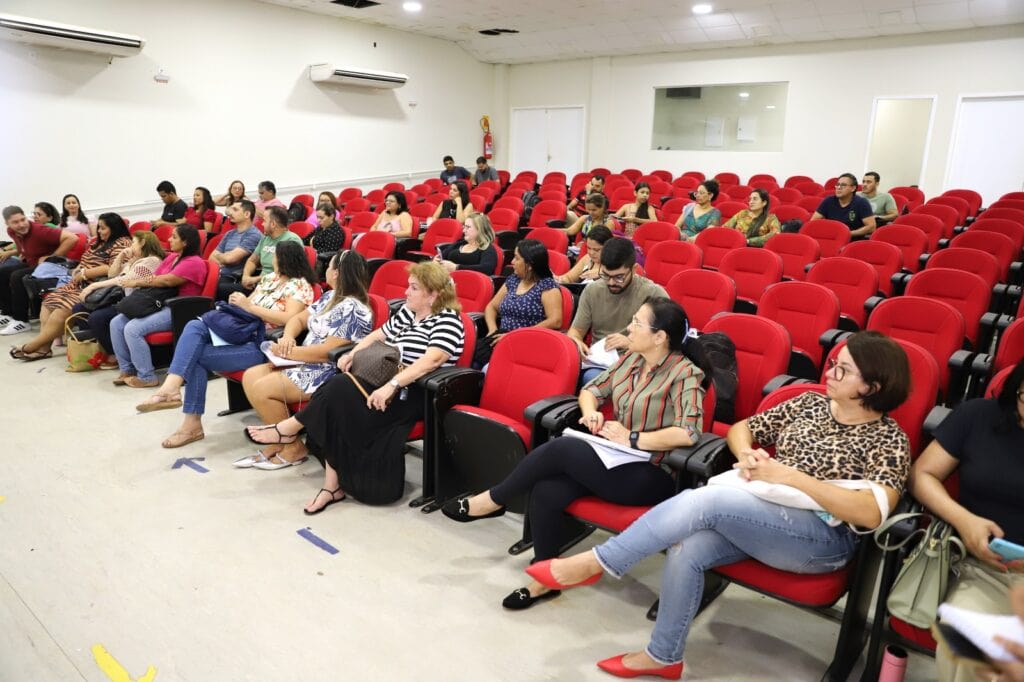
(894, 665)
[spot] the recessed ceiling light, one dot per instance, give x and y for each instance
(412, 6)
(702, 8)
(769, 106)
(744, 95)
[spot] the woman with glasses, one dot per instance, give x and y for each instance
(701, 215)
(982, 441)
(655, 391)
(843, 434)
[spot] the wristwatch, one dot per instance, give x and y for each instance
(634, 436)
(394, 384)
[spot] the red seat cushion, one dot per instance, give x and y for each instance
(160, 338)
(521, 429)
(417, 431)
(615, 517)
(233, 376)
(810, 590)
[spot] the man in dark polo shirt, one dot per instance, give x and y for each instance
(853, 211)
(174, 208)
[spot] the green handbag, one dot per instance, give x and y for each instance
(923, 582)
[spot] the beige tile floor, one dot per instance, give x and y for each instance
(204, 577)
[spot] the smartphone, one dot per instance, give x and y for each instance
(1010, 551)
(962, 649)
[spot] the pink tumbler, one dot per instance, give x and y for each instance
(894, 665)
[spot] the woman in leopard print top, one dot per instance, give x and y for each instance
(844, 435)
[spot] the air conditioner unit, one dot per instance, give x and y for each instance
(52, 34)
(326, 73)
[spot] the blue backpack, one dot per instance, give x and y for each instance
(234, 325)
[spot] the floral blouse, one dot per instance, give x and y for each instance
(273, 292)
(744, 219)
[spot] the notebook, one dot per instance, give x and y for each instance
(981, 629)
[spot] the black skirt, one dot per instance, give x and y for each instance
(366, 447)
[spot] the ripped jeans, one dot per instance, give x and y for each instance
(712, 526)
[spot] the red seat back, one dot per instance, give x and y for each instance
(376, 244)
(702, 293)
(361, 221)
(972, 198)
(391, 280)
(965, 291)
(81, 243)
(831, 235)
(301, 228)
(794, 180)
(473, 289)
(514, 204)
(910, 240)
(947, 214)
(1010, 228)
(211, 245)
(809, 204)
(666, 258)
(725, 179)
(441, 231)
(716, 242)
(931, 226)
(504, 219)
(753, 270)
(545, 211)
(348, 194)
(961, 206)
(1004, 210)
(787, 212)
(1011, 346)
(810, 189)
(356, 205)
(380, 308)
(558, 262)
(797, 252)
(730, 208)
(422, 211)
(553, 238)
(762, 180)
(852, 281)
(977, 261)
(999, 245)
(807, 310)
(648, 234)
(885, 258)
(913, 195)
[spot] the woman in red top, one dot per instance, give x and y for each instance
(201, 213)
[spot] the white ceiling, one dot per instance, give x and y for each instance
(569, 29)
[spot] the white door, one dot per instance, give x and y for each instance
(988, 148)
(547, 139)
(898, 146)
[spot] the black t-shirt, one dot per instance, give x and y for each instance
(852, 216)
(991, 464)
(457, 173)
(481, 260)
(174, 212)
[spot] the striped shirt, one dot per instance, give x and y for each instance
(441, 330)
(671, 395)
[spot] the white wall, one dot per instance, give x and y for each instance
(831, 90)
(239, 103)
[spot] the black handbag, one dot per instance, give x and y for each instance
(103, 298)
(145, 301)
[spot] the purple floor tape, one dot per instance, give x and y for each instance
(309, 535)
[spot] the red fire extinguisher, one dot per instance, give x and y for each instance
(485, 123)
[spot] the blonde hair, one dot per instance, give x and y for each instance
(150, 244)
(435, 279)
(483, 228)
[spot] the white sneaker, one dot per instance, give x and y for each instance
(15, 327)
(5, 320)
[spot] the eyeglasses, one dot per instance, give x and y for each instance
(1020, 395)
(840, 370)
(637, 323)
(842, 185)
(618, 279)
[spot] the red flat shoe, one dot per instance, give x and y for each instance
(615, 667)
(541, 572)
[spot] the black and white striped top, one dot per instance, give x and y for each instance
(442, 330)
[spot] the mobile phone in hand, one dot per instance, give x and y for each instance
(1009, 551)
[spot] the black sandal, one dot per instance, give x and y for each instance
(17, 352)
(281, 438)
(35, 355)
(333, 500)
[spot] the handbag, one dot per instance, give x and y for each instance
(84, 353)
(145, 301)
(234, 325)
(374, 366)
(103, 298)
(923, 581)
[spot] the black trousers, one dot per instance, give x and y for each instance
(565, 469)
(13, 295)
(99, 324)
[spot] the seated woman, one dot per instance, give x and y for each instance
(182, 270)
(457, 206)
(476, 249)
(395, 217)
(328, 237)
(280, 295)
(235, 193)
(324, 198)
(46, 213)
(202, 213)
(845, 434)
(73, 218)
(363, 436)
(639, 212)
(656, 390)
(530, 297)
(700, 215)
(338, 319)
(756, 222)
(588, 266)
(597, 214)
(137, 263)
(982, 441)
(111, 241)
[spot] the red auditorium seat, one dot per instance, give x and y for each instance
(807, 310)
(797, 252)
(753, 270)
(831, 235)
(910, 240)
(703, 294)
(716, 242)
(667, 258)
(852, 281)
(885, 258)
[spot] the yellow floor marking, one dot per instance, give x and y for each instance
(114, 670)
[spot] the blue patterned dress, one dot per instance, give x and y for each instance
(350, 320)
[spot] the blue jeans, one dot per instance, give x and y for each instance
(195, 356)
(712, 526)
(128, 337)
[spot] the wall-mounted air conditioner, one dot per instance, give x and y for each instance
(52, 34)
(327, 73)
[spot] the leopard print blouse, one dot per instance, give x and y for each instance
(809, 439)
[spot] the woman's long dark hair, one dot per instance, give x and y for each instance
(118, 229)
(535, 254)
(353, 278)
(669, 317)
(50, 210)
(642, 210)
(1007, 400)
(403, 205)
(463, 192)
(207, 204)
(755, 227)
(64, 215)
(292, 261)
(190, 236)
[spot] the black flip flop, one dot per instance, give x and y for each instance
(280, 436)
(329, 492)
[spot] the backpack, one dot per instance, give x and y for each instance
(721, 353)
(297, 212)
(530, 199)
(233, 324)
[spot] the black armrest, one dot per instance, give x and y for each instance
(184, 309)
(872, 301)
(831, 337)
(1016, 272)
(335, 354)
(899, 284)
(575, 288)
(935, 417)
(507, 239)
(406, 244)
(556, 223)
(414, 257)
(550, 416)
(711, 457)
(679, 458)
(781, 380)
(373, 265)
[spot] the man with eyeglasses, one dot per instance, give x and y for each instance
(845, 206)
(882, 203)
(607, 306)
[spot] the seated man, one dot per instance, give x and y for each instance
(174, 208)
(32, 243)
(484, 172)
(262, 257)
(235, 246)
(451, 172)
(607, 306)
(848, 208)
(595, 186)
(268, 197)
(882, 203)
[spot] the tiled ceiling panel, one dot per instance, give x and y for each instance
(571, 29)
